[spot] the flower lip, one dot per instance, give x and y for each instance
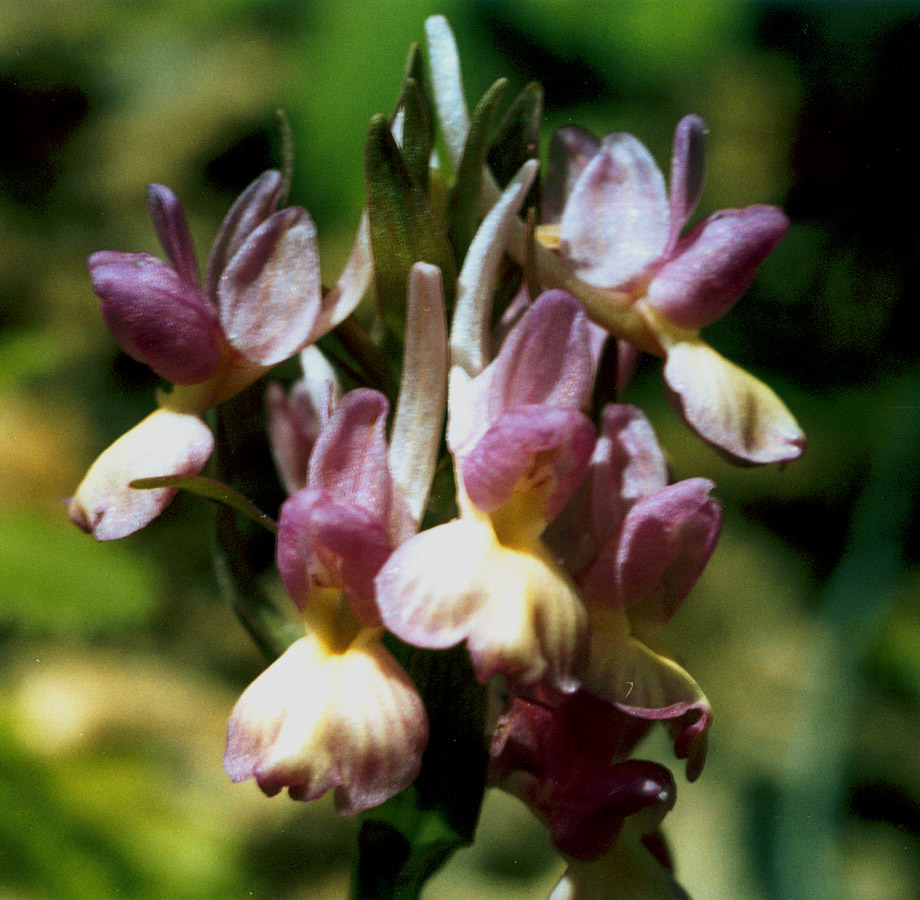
(313, 722)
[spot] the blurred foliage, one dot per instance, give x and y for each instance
(119, 664)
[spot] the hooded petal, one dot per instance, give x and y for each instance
(165, 443)
(546, 359)
(157, 317)
(659, 552)
(350, 458)
(172, 230)
(729, 408)
(533, 442)
(518, 612)
(248, 212)
(688, 161)
(570, 151)
(269, 293)
(315, 721)
(295, 418)
(325, 544)
(616, 220)
(626, 464)
(713, 265)
(587, 818)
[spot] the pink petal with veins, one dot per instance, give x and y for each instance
(616, 220)
(712, 266)
(350, 457)
(322, 543)
(156, 316)
(558, 441)
(626, 464)
(314, 721)
(546, 358)
(659, 552)
(570, 151)
(172, 230)
(248, 212)
(518, 612)
(269, 293)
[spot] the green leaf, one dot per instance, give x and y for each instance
(403, 227)
(464, 198)
(417, 135)
(517, 138)
(418, 128)
(404, 841)
(210, 489)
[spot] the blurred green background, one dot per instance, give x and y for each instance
(119, 663)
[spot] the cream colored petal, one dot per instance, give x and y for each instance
(730, 408)
(316, 721)
(518, 612)
(165, 443)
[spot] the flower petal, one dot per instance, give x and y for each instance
(323, 544)
(730, 408)
(248, 212)
(626, 464)
(570, 151)
(660, 551)
(350, 458)
(518, 612)
(156, 316)
(419, 420)
(315, 721)
(165, 443)
(546, 359)
(558, 441)
(172, 230)
(587, 818)
(714, 265)
(476, 284)
(269, 294)
(639, 682)
(628, 869)
(616, 220)
(688, 163)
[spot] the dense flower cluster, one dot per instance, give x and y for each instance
(568, 543)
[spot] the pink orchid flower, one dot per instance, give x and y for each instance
(636, 545)
(611, 219)
(520, 446)
(568, 762)
(336, 711)
(261, 303)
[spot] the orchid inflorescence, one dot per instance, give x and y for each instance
(564, 543)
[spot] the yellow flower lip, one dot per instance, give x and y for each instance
(500, 591)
